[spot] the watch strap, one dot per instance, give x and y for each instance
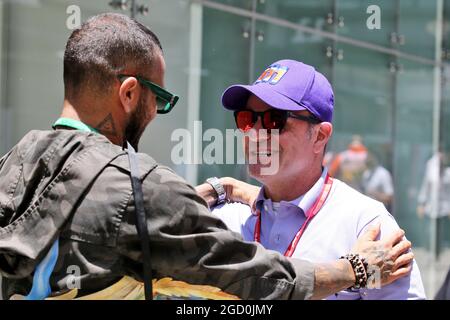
(218, 187)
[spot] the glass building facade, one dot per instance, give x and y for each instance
(391, 83)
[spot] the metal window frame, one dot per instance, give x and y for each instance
(324, 34)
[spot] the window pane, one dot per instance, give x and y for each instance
(276, 43)
(36, 37)
(225, 61)
(310, 13)
(353, 21)
(413, 147)
(363, 114)
(417, 25)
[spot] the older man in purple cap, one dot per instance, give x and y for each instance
(300, 210)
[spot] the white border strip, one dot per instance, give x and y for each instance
(194, 82)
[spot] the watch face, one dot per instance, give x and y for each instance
(220, 190)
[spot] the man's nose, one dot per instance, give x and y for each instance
(258, 125)
(259, 133)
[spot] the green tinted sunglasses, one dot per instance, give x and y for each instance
(165, 101)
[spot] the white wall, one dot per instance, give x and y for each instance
(170, 20)
(38, 34)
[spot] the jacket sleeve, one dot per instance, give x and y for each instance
(187, 243)
(409, 287)
(4, 158)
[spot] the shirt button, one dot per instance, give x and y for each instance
(277, 238)
(266, 207)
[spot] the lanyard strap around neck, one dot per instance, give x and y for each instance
(75, 124)
(312, 212)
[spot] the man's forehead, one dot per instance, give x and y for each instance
(254, 101)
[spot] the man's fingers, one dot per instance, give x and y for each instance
(401, 272)
(394, 238)
(401, 268)
(372, 232)
(400, 248)
(397, 274)
(403, 260)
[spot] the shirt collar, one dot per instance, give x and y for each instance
(304, 202)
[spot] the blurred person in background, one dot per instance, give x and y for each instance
(376, 182)
(437, 174)
(349, 165)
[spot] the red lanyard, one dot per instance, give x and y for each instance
(309, 216)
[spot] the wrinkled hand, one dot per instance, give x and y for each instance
(239, 191)
(388, 259)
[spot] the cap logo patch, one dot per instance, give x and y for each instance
(273, 74)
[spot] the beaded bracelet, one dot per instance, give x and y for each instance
(359, 266)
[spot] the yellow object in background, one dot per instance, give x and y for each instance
(164, 289)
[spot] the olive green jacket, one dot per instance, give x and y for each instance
(76, 186)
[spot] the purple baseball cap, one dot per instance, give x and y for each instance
(286, 85)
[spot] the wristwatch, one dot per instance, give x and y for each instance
(218, 187)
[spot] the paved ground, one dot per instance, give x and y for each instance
(433, 273)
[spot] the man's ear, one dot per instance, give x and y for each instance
(325, 129)
(129, 93)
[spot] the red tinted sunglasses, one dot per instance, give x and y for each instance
(270, 119)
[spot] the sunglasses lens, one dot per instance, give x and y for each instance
(244, 120)
(274, 119)
(162, 105)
